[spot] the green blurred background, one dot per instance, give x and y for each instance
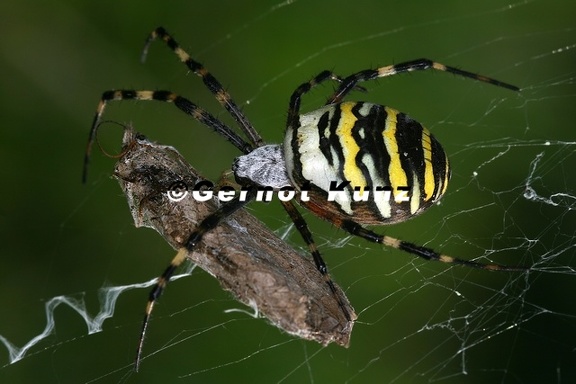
(419, 322)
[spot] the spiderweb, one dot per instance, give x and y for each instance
(75, 272)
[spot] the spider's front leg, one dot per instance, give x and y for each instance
(206, 225)
(180, 102)
(213, 85)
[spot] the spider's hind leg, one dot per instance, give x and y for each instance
(422, 252)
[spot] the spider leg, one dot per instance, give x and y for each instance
(416, 250)
(209, 80)
(295, 99)
(154, 295)
(302, 227)
(415, 65)
(207, 224)
(180, 102)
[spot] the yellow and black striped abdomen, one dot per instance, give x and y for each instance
(365, 162)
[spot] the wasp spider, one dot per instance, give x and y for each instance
(358, 163)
